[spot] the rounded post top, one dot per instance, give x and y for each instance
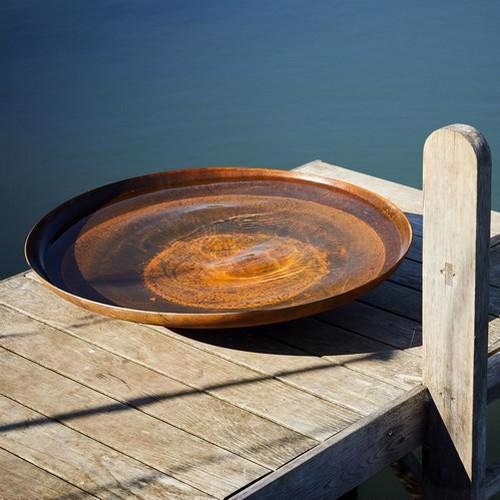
(471, 135)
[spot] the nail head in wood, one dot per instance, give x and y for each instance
(457, 184)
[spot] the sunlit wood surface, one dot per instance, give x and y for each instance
(96, 407)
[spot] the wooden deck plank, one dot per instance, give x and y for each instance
(80, 460)
(495, 266)
(343, 461)
(377, 360)
(189, 409)
(155, 443)
(248, 389)
(409, 274)
(289, 385)
(392, 329)
(253, 348)
(415, 250)
(20, 479)
(379, 325)
(388, 296)
(407, 198)
(493, 335)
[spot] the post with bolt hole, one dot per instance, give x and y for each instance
(457, 199)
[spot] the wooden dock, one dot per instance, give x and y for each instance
(93, 407)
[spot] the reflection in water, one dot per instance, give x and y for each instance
(253, 245)
(235, 270)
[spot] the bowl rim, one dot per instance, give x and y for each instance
(217, 319)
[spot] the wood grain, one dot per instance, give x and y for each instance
(409, 275)
(344, 461)
(374, 359)
(397, 299)
(157, 444)
(253, 348)
(407, 198)
(194, 411)
(292, 408)
(78, 459)
(379, 325)
(457, 183)
(23, 480)
(325, 478)
(378, 338)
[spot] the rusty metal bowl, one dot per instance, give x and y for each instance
(218, 247)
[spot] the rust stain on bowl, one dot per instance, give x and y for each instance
(218, 247)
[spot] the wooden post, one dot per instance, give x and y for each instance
(457, 198)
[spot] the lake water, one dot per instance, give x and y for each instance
(95, 91)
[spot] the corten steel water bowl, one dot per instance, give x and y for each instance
(218, 247)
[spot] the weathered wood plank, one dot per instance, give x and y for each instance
(493, 335)
(245, 388)
(457, 184)
(194, 411)
(20, 479)
(334, 467)
(80, 460)
(397, 299)
(409, 274)
(379, 325)
(343, 461)
(155, 443)
(253, 348)
(494, 302)
(407, 198)
(377, 360)
(415, 250)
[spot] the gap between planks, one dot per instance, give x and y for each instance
(361, 334)
(111, 407)
(327, 364)
(231, 421)
(154, 443)
(329, 412)
(97, 467)
(24, 479)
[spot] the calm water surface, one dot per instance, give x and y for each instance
(91, 92)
